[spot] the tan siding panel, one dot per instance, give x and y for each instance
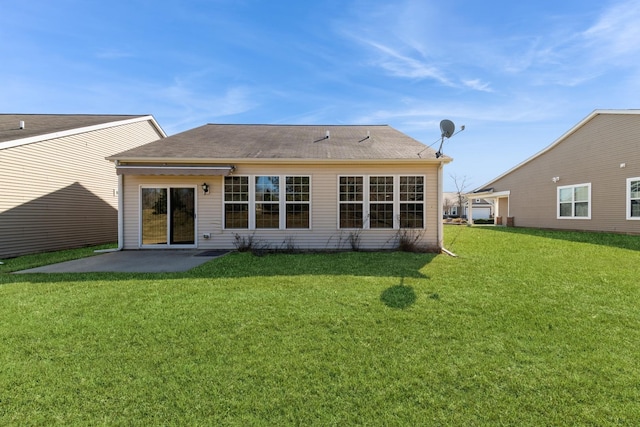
(593, 154)
(61, 193)
(323, 234)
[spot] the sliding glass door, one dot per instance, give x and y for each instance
(167, 216)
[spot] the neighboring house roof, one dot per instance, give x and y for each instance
(484, 188)
(40, 127)
(216, 142)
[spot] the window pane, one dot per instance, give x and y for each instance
(351, 215)
(566, 195)
(154, 216)
(635, 208)
(297, 189)
(267, 188)
(565, 209)
(581, 194)
(267, 215)
(582, 209)
(297, 215)
(381, 188)
(412, 188)
(236, 215)
(236, 188)
(411, 215)
(381, 215)
(635, 189)
(351, 188)
(182, 216)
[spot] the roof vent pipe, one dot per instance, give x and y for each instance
(328, 135)
(21, 124)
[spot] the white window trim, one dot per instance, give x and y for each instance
(224, 203)
(282, 203)
(366, 203)
(628, 215)
(588, 185)
(283, 206)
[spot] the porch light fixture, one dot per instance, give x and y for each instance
(555, 179)
(205, 188)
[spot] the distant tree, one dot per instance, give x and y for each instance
(447, 204)
(461, 185)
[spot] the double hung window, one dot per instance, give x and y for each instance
(236, 202)
(574, 201)
(298, 192)
(411, 202)
(351, 201)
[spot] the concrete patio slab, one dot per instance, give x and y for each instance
(138, 261)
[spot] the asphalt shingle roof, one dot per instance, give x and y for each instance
(41, 124)
(232, 141)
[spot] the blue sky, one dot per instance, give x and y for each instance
(516, 74)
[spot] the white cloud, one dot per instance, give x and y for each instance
(477, 84)
(402, 65)
(616, 34)
(113, 54)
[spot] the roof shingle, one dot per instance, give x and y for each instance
(42, 124)
(232, 141)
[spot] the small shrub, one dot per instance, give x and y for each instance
(289, 245)
(483, 221)
(354, 239)
(243, 243)
(250, 244)
(408, 240)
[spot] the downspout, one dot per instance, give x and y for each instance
(440, 225)
(120, 217)
(120, 212)
(440, 232)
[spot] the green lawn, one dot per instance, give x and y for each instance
(525, 327)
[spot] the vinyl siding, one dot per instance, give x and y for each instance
(592, 154)
(62, 193)
(324, 232)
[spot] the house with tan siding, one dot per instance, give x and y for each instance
(280, 186)
(57, 190)
(588, 179)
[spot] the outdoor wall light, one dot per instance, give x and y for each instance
(555, 179)
(205, 188)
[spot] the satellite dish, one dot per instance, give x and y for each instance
(447, 128)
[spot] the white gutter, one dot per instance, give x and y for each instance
(440, 232)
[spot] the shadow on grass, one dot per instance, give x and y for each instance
(238, 265)
(398, 296)
(623, 241)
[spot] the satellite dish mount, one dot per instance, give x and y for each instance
(447, 129)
